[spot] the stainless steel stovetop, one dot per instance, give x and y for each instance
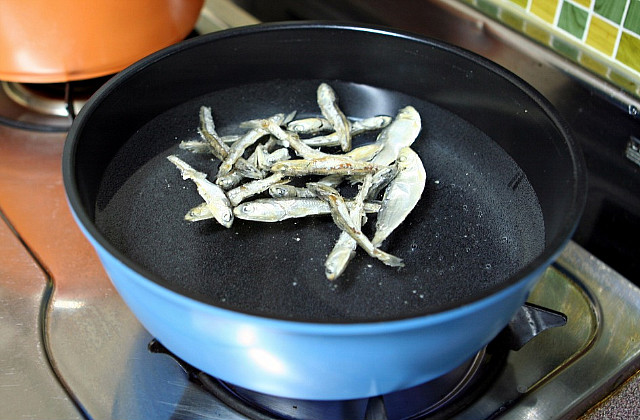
(70, 348)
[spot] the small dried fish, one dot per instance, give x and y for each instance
(327, 165)
(230, 138)
(315, 125)
(218, 148)
(257, 123)
(328, 103)
(208, 132)
(278, 209)
(402, 194)
(199, 213)
(364, 153)
(217, 202)
(381, 179)
(237, 149)
(357, 127)
(266, 160)
(238, 174)
(244, 191)
(289, 139)
(331, 180)
(341, 217)
(212, 142)
(196, 146)
(289, 191)
(370, 124)
(230, 180)
(345, 248)
(402, 132)
(312, 125)
(251, 137)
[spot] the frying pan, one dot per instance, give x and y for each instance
(250, 304)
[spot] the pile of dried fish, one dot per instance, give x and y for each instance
(387, 167)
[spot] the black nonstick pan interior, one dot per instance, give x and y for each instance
(477, 223)
(502, 185)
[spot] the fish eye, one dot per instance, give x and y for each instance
(247, 208)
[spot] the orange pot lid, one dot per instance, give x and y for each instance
(49, 42)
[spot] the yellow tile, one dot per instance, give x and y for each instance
(585, 3)
(544, 9)
(511, 19)
(594, 65)
(623, 81)
(521, 3)
(537, 33)
(629, 51)
(602, 35)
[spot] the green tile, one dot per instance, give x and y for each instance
(573, 19)
(565, 48)
(632, 21)
(488, 8)
(611, 9)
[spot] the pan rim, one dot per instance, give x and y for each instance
(546, 257)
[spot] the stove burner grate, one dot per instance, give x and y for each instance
(436, 399)
(48, 107)
(440, 398)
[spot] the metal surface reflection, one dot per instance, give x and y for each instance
(26, 378)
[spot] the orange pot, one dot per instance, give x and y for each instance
(44, 41)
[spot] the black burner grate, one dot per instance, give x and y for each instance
(440, 398)
(46, 107)
(437, 399)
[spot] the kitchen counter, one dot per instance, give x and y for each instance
(623, 403)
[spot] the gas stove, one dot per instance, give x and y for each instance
(70, 347)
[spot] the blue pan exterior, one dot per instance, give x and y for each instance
(309, 360)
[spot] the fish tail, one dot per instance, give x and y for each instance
(388, 259)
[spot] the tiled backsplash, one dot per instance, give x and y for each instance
(601, 35)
